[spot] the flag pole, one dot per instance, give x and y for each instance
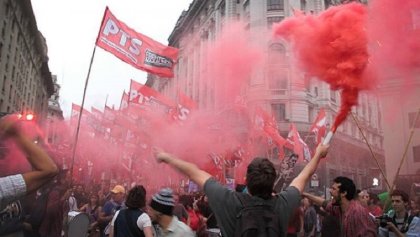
(405, 150)
(76, 137)
(371, 151)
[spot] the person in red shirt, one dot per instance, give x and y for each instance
(374, 207)
(355, 220)
(196, 220)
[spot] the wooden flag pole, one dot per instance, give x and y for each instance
(371, 151)
(406, 149)
(76, 137)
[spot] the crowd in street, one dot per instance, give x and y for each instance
(45, 203)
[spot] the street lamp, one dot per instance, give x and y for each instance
(29, 117)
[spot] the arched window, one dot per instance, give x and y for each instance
(273, 5)
(276, 53)
(277, 76)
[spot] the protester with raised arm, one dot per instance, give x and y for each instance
(14, 187)
(260, 178)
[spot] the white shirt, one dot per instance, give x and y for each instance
(72, 204)
(142, 222)
(12, 188)
(175, 229)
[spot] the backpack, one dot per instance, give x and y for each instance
(257, 218)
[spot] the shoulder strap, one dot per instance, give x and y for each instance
(244, 199)
(133, 228)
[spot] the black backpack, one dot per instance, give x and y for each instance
(257, 219)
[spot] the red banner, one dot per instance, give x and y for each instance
(185, 105)
(97, 114)
(319, 127)
(134, 48)
(148, 97)
(124, 101)
(75, 111)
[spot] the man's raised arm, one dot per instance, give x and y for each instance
(300, 181)
(197, 175)
(44, 169)
(319, 201)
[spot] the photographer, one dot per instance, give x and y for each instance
(397, 221)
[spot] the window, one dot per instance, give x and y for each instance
(1, 49)
(333, 96)
(311, 114)
(277, 80)
(353, 130)
(416, 153)
(316, 91)
(3, 30)
(273, 19)
(303, 5)
(411, 118)
(222, 8)
(273, 5)
(276, 53)
(279, 111)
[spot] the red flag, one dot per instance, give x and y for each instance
(134, 48)
(75, 111)
(293, 137)
(185, 105)
(269, 125)
(299, 146)
(97, 114)
(319, 127)
(124, 101)
(109, 117)
(148, 97)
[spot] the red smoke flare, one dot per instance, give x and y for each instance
(333, 47)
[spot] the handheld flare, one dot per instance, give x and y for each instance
(328, 138)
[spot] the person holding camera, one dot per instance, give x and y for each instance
(396, 223)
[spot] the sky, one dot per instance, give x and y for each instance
(71, 28)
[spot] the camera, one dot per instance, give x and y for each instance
(383, 220)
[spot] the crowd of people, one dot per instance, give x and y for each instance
(39, 203)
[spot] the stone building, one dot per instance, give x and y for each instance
(296, 100)
(55, 114)
(25, 78)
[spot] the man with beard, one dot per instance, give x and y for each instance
(355, 220)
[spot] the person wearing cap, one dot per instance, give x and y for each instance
(110, 207)
(161, 212)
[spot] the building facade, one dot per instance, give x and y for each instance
(25, 78)
(55, 114)
(401, 105)
(287, 93)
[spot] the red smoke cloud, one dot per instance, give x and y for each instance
(394, 35)
(333, 47)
